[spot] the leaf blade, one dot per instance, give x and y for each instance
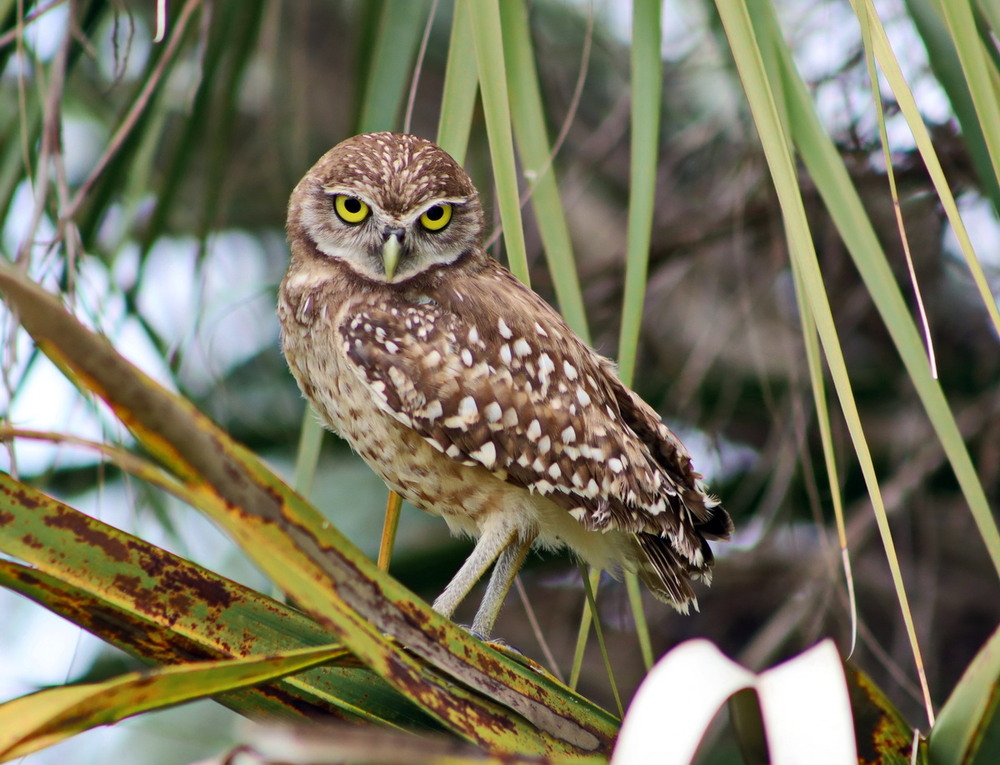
(302, 553)
(41, 719)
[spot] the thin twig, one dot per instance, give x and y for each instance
(567, 123)
(418, 67)
(53, 129)
(536, 628)
(138, 107)
(574, 105)
(130, 463)
(22, 95)
(50, 144)
(12, 35)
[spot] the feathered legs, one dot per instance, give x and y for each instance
(499, 543)
(508, 564)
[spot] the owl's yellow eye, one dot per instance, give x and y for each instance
(436, 218)
(350, 209)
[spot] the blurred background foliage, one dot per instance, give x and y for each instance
(175, 160)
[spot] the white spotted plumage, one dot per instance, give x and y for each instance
(478, 404)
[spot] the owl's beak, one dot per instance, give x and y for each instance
(390, 251)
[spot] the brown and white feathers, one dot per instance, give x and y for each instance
(401, 330)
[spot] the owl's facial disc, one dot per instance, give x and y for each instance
(388, 207)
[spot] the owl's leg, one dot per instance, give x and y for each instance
(493, 541)
(508, 564)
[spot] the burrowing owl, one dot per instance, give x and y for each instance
(466, 392)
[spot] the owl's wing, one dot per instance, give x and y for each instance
(520, 395)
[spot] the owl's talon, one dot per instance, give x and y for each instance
(504, 647)
(499, 643)
(475, 633)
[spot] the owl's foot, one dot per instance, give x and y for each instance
(498, 643)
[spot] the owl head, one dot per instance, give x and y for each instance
(389, 206)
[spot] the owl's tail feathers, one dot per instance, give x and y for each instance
(666, 574)
(667, 564)
(713, 522)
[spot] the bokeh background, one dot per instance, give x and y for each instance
(180, 246)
